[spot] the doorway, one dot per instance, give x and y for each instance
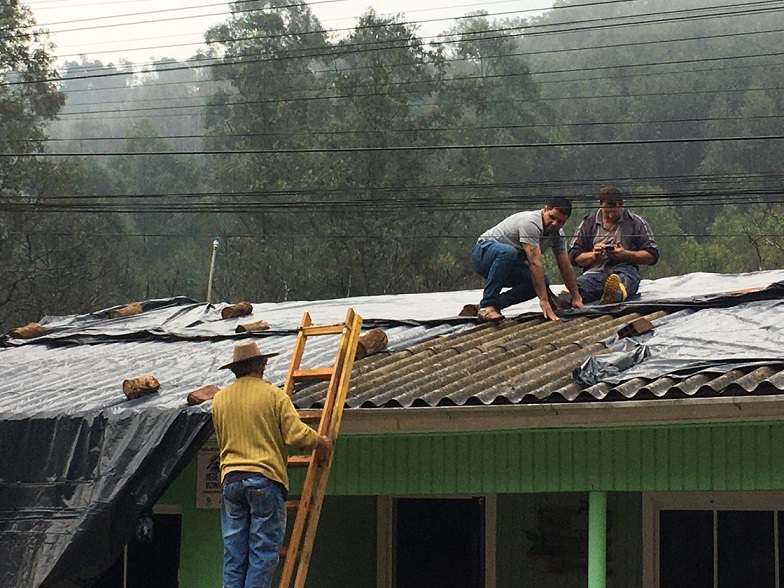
(150, 562)
(439, 543)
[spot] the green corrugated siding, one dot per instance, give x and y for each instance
(686, 457)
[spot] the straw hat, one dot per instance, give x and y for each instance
(244, 352)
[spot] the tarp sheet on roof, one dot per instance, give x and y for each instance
(73, 487)
(79, 464)
(695, 340)
(184, 318)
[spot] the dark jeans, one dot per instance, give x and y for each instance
(501, 266)
(591, 284)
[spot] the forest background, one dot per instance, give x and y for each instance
(368, 162)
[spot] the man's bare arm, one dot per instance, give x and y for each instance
(534, 256)
(567, 273)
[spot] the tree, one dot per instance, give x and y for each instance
(492, 86)
(51, 258)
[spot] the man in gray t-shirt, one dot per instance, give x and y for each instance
(510, 256)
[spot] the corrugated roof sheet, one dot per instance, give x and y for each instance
(524, 362)
(36, 379)
(102, 460)
(429, 362)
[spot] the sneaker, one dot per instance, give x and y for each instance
(489, 313)
(561, 302)
(614, 290)
(470, 310)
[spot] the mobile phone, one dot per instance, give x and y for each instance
(609, 247)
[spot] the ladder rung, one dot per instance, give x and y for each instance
(299, 461)
(317, 374)
(323, 329)
(292, 505)
(284, 551)
(310, 415)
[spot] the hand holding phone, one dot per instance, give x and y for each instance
(609, 248)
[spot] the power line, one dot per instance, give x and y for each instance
(570, 187)
(604, 123)
(410, 148)
(296, 4)
(422, 199)
(529, 30)
(324, 236)
(463, 79)
(549, 52)
(472, 78)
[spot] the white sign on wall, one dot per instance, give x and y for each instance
(208, 487)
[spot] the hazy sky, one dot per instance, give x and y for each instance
(142, 29)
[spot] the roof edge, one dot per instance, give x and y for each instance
(629, 413)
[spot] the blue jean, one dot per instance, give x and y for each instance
(502, 267)
(253, 520)
(591, 284)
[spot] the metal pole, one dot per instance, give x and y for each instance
(597, 539)
(215, 243)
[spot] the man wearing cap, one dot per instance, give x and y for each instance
(610, 245)
(510, 256)
(254, 421)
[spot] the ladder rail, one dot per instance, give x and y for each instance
(303, 532)
(332, 429)
(296, 356)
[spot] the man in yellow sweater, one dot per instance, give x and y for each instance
(254, 421)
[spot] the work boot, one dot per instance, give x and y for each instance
(561, 302)
(614, 290)
(470, 310)
(489, 313)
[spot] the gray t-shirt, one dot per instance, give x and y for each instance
(525, 227)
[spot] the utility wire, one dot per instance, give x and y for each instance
(410, 148)
(528, 30)
(317, 98)
(531, 29)
(286, 236)
(461, 129)
(457, 60)
(298, 4)
(374, 200)
(572, 186)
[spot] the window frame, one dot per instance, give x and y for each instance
(654, 502)
(386, 537)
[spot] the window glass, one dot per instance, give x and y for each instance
(746, 549)
(685, 549)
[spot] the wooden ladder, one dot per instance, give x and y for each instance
(296, 554)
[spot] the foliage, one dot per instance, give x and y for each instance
(369, 163)
(50, 260)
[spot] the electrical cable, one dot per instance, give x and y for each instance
(160, 69)
(529, 32)
(408, 148)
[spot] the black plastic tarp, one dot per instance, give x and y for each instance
(74, 486)
(79, 464)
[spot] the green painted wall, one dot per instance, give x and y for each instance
(201, 547)
(687, 457)
(622, 461)
(344, 553)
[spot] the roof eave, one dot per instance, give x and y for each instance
(629, 413)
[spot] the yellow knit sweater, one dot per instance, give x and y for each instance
(254, 421)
